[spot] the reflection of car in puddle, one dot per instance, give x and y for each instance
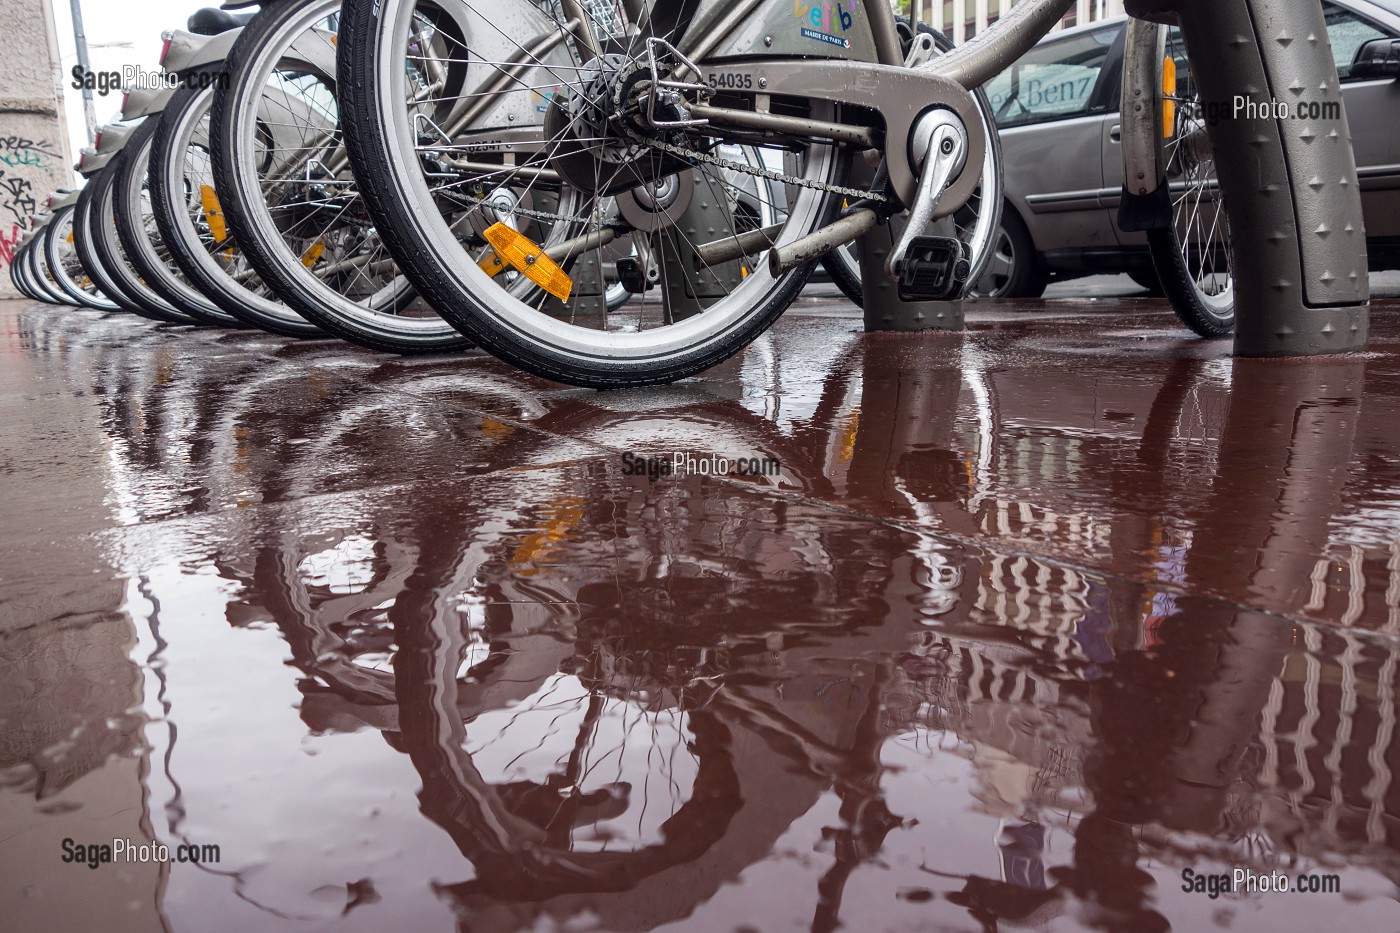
(619, 695)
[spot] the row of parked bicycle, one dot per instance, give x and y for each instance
(554, 181)
(194, 215)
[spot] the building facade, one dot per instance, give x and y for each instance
(34, 155)
(960, 20)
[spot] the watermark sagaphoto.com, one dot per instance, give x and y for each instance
(132, 78)
(1250, 108)
(130, 852)
(680, 464)
(1242, 881)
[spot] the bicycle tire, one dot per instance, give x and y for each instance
(64, 219)
(1181, 289)
(179, 122)
(254, 57)
(101, 237)
(395, 204)
(38, 263)
(19, 271)
(82, 240)
(139, 241)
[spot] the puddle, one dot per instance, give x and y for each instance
(1012, 641)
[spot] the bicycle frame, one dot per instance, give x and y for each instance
(875, 78)
(900, 94)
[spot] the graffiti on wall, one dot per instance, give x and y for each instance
(20, 159)
(17, 197)
(16, 151)
(9, 242)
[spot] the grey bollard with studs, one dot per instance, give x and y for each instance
(1301, 285)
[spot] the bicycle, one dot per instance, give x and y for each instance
(284, 185)
(21, 273)
(450, 106)
(141, 241)
(1191, 255)
(96, 238)
(184, 202)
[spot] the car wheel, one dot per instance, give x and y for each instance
(1014, 269)
(616, 296)
(1147, 278)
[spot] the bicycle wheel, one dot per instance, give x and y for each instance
(1192, 254)
(141, 240)
(102, 240)
(19, 271)
(82, 241)
(15, 279)
(63, 260)
(543, 150)
(976, 223)
(189, 215)
(287, 190)
(32, 275)
(38, 263)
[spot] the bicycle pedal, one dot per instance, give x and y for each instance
(632, 274)
(935, 268)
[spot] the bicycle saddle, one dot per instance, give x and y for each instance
(211, 21)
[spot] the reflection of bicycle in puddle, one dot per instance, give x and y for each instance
(609, 688)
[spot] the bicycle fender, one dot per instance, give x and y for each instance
(1146, 201)
(112, 137)
(143, 103)
(189, 52)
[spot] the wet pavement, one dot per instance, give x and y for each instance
(1014, 629)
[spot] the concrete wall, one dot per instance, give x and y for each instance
(35, 158)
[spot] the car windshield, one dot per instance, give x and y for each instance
(1054, 80)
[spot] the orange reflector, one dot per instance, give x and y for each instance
(522, 253)
(1168, 97)
(493, 428)
(492, 264)
(313, 255)
(213, 213)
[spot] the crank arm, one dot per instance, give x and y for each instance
(941, 137)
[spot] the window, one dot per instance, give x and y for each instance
(948, 18)
(993, 11)
(970, 28)
(1347, 32)
(1054, 80)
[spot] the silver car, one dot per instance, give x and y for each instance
(1057, 110)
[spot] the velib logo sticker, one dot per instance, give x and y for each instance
(826, 22)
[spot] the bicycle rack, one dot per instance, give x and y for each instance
(884, 309)
(1304, 290)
